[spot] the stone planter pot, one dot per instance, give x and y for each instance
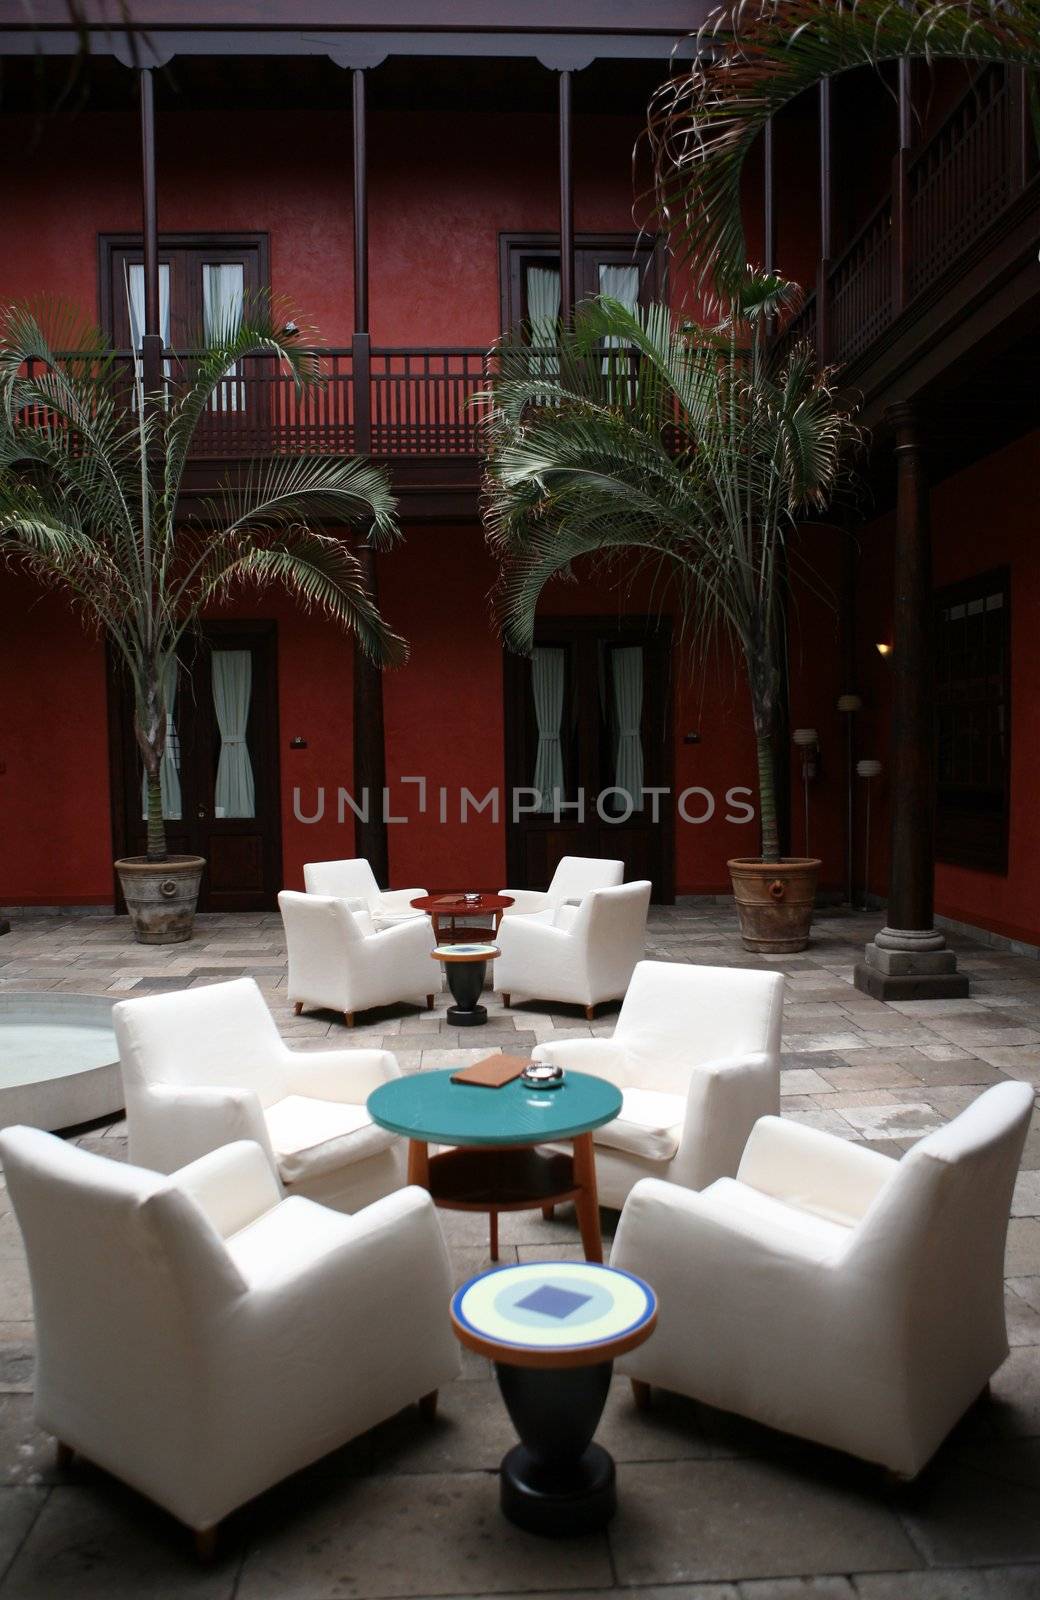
(161, 896)
(774, 902)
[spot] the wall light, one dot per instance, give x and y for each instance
(884, 649)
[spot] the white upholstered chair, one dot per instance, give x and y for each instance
(354, 881)
(830, 1291)
(573, 878)
(696, 1055)
(579, 955)
(201, 1338)
(202, 1067)
(337, 965)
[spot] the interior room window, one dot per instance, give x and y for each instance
(972, 722)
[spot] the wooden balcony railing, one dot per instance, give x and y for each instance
(946, 196)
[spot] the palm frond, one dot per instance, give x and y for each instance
(753, 58)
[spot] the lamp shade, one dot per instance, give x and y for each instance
(805, 736)
(868, 769)
(849, 702)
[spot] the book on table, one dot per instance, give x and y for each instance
(491, 1073)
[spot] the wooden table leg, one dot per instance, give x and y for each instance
(493, 1221)
(419, 1163)
(587, 1200)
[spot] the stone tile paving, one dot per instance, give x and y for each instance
(712, 1507)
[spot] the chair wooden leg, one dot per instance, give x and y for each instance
(493, 1230)
(297, 1008)
(505, 1001)
(590, 1012)
(429, 1002)
(205, 1544)
(348, 1018)
(63, 1454)
(428, 1406)
(548, 1212)
(640, 1394)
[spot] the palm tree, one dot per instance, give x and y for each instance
(682, 451)
(91, 482)
(754, 57)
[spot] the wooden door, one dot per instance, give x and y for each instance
(221, 791)
(610, 678)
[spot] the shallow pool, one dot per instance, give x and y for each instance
(59, 1064)
(32, 1051)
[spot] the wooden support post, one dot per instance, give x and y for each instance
(151, 339)
(902, 243)
(824, 341)
(566, 201)
(370, 839)
(908, 959)
(1023, 136)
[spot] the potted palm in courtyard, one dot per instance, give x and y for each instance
(91, 501)
(691, 452)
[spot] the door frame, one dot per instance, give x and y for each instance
(631, 629)
(513, 248)
(110, 244)
(219, 631)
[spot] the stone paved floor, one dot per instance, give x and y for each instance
(712, 1508)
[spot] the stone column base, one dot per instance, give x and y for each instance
(907, 964)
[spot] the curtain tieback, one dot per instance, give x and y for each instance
(233, 738)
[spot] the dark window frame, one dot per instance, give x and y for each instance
(972, 816)
(518, 249)
(252, 248)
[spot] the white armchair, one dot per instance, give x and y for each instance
(203, 1067)
(830, 1291)
(696, 1055)
(579, 956)
(202, 1338)
(335, 964)
(573, 878)
(354, 881)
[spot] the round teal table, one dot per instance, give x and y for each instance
(495, 1164)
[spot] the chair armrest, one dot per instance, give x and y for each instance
(416, 933)
(233, 1185)
(725, 1099)
(601, 1058)
(525, 900)
(401, 900)
(819, 1172)
(345, 1075)
(184, 1121)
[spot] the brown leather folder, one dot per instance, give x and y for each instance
(491, 1073)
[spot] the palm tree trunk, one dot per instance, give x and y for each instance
(155, 849)
(767, 797)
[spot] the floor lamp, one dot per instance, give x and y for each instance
(808, 742)
(867, 770)
(848, 705)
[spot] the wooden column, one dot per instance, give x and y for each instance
(151, 340)
(907, 959)
(566, 201)
(369, 740)
(769, 198)
(823, 309)
(901, 239)
(1023, 137)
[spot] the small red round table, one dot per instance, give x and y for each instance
(443, 909)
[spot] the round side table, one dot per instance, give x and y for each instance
(553, 1330)
(466, 966)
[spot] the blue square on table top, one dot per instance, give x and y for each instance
(553, 1302)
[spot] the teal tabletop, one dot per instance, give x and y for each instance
(429, 1107)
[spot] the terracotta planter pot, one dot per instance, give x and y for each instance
(161, 896)
(774, 902)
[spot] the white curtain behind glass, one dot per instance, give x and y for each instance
(620, 283)
(223, 291)
(135, 285)
(543, 314)
(547, 676)
(170, 766)
(627, 669)
(232, 687)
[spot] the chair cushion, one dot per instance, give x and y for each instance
(310, 1136)
(650, 1124)
(285, 1239)
(780, 1219)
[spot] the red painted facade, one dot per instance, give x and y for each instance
(442, 187)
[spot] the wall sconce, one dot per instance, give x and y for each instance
(883, 648)
(868, 770)
(808, 742)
